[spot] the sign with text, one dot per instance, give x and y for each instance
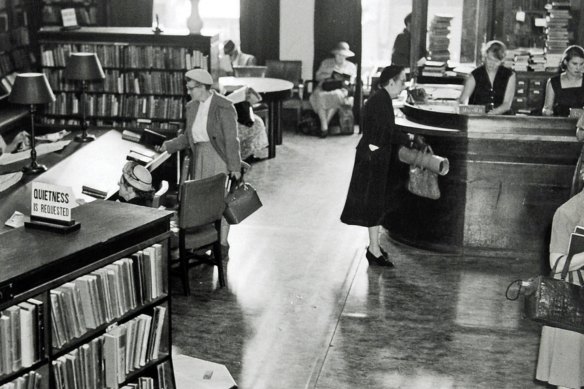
(471, 109)
(52, 201)
(69, 17)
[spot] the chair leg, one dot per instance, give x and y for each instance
(184, 263)
(219, 263)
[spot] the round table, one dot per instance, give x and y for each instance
(273, 91)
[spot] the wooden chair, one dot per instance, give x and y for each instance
(160, 195)
(291, 71)
(249, 71)
(202, 203)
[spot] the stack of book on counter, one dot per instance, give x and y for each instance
(439, 38)
(434, 69)
(557, 34)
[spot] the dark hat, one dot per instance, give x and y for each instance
(342, 48)
(137, 176)
(200, 75)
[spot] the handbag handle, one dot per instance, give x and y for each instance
(566, 267)
(418, 160)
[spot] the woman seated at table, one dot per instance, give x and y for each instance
(491, 84)
(135, 185)
(566, 90)
(326, 102)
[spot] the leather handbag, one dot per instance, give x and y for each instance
(241, 201)
(422, 182)
(553, 302)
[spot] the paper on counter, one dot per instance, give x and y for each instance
(16, 220)
(41, 149)
(53, 137)
(7, 180)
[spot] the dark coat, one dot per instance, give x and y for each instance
(376, 174)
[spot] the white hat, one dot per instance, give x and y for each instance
(200, 75)
(137, 176)
(342, 48)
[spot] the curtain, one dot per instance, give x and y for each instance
(259, 29)
(334, 21)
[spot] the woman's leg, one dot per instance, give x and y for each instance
(322, 115)
(223, 239)
(374, 247)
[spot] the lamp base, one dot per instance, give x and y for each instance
(34, 168)
(84, 138)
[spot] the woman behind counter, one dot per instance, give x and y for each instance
(566, 90)
(491, 84)
(376, 163)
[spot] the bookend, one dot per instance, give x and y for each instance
(60, 226)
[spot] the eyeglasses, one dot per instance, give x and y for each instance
(190, 88)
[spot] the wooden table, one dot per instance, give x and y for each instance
(273, 91)
(97, 164)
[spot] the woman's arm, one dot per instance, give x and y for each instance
(469, 87)
(577, 261)
(507, 99)
(324, 71)
(548, 106)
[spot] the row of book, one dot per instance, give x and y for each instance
(21, 335)
(108, 105)
(105, 294)
(32, 380)
(439, 40)
(15, 38)
(85, 16)
(122, 56)
(131, 123)
(116, 81)
(17, 59)
(106, 361)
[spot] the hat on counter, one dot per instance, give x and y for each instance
(200, 75)
(342, 48)
(137, 176)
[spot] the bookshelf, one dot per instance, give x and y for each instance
(17, 41)
(90, 309)
(144, 74)
(88, 12)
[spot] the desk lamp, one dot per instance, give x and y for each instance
(84, 67)
(32, 89)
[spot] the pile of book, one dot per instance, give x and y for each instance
(29, 380)
(521, 61)
(557, 35)
(434, 69)
(21, 336)
(105, 294)
(439, 38)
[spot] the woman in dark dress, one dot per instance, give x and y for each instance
(491, 84)
(566, 90)
(376, 163)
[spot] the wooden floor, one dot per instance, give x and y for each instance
(303, 310)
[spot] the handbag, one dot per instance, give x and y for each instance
(422, 182)
(241, 201)
(332, 84)
(553, 302)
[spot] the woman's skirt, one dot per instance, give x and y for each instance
(206, 162)
(333, 99)
(561, 357)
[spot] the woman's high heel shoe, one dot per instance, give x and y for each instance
(377, 261)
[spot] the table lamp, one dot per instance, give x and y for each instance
(32, 89)
(84, 67)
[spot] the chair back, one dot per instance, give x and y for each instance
(249, 71)
(160, 194)
(202, 201)
(285, 70)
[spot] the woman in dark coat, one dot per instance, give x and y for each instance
(376, 163)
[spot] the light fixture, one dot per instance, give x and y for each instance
(84, 67)
(32, 89)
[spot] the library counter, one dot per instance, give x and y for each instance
(508, 175)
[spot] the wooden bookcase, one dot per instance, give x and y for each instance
(38, 269)
(18, 27)
(144, 74)
(88, 12)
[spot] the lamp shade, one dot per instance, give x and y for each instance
(31, 88)
(83, 67)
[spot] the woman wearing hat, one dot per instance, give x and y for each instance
(326, 103)
(210, 134)
(376, 163)
(136, 185)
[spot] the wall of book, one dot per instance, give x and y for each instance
(143, 81)
(16, 50)
(99, 329)
(87, 12)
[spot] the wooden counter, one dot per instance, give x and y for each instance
(508, 174)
